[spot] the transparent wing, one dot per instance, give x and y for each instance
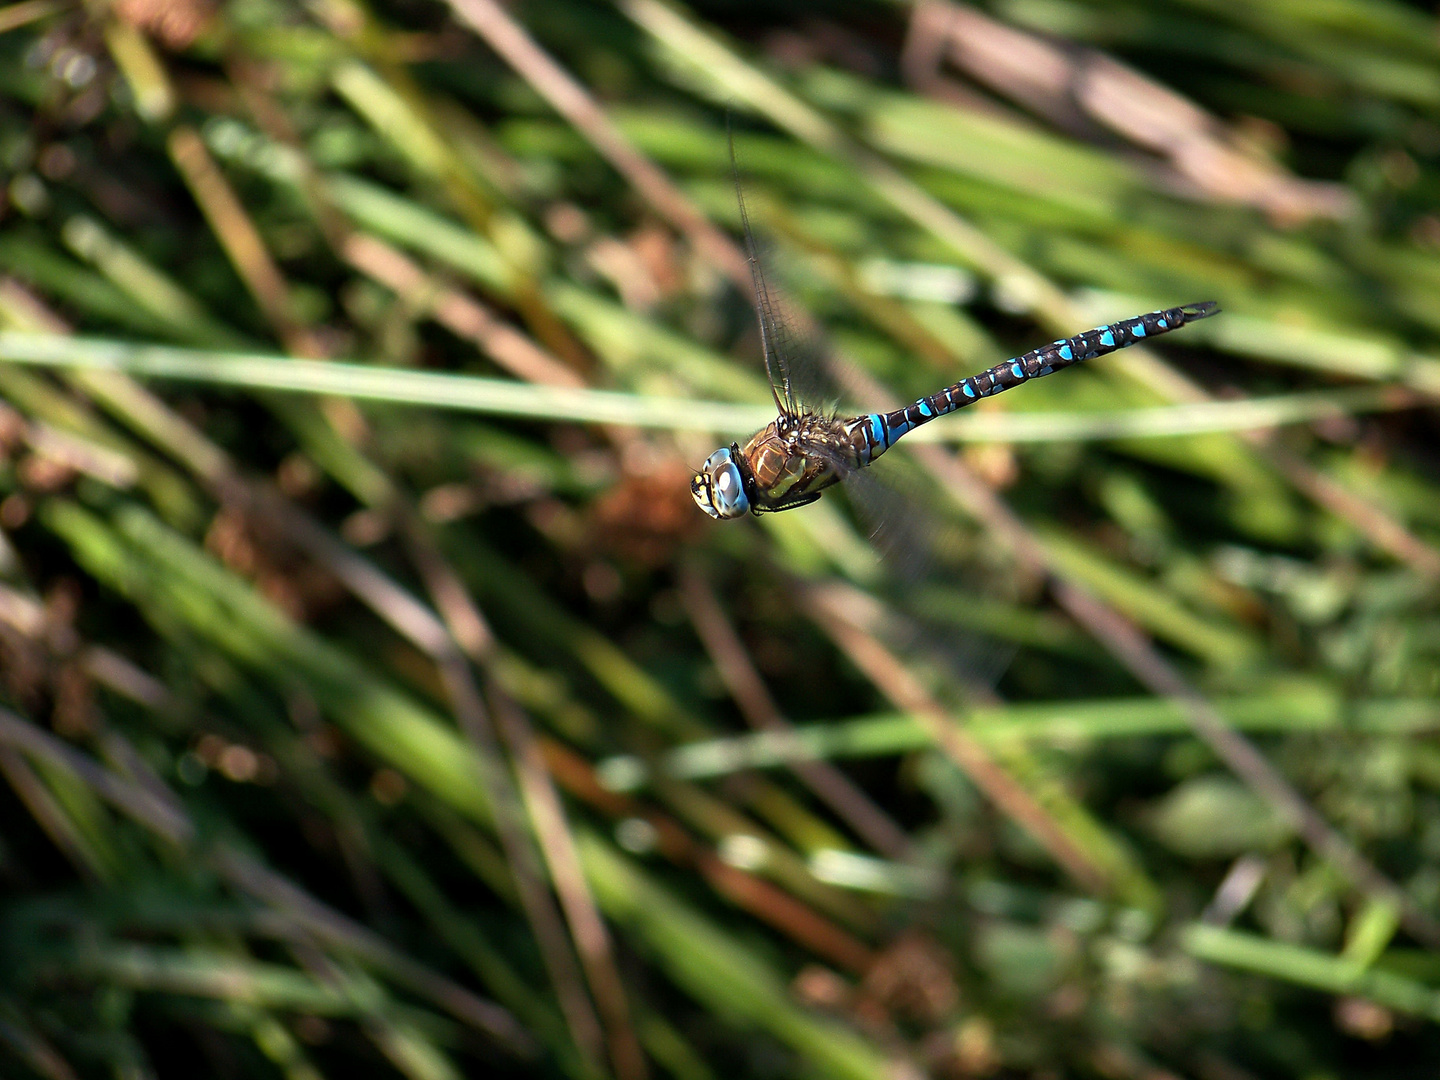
(800, 373)
(899, 526)
(916, 549)
(800, 379)
(926, 554)
(773, 341)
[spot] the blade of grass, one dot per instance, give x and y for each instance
(848, 802)
(403, 386)
(1307, 967)
(721, 971)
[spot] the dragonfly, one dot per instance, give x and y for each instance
(804, 450)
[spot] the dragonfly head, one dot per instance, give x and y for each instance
(719, 486)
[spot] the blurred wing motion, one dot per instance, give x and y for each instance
(774, 341)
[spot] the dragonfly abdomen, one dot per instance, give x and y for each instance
(877, 432)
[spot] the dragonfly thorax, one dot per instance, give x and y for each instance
(777, 460)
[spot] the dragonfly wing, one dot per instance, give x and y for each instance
(772, 343)
(922, 555)
(899, 527)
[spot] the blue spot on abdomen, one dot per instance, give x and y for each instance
(877, 431)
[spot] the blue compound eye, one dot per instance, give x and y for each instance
(718, 487)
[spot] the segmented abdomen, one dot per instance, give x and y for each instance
(877, 432)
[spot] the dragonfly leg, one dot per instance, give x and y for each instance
(789, 504)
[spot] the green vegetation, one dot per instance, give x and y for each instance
(375, 702)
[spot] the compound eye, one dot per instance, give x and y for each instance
(718, 487)
(730, 491)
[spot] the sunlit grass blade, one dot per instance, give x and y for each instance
(499, 397)
(1309, 967)
(393, 385)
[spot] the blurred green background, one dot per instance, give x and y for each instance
(374, 701)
